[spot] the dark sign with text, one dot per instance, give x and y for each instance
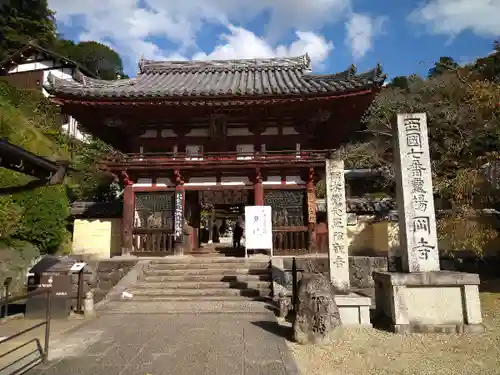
(179, 215)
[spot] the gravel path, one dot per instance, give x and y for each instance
(370, 351)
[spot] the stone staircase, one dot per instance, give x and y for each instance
(215, 284)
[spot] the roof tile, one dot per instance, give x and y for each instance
(254, 77)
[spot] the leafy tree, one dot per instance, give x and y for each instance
(45, 211)
(444, 64)
(96, 57)
(400, 82)
(90, 183)
(22, 21)
(489, 66)
(464, 135)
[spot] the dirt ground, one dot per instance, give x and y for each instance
(371, 351)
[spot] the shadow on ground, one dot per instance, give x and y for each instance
(490, 285)
(272, 326)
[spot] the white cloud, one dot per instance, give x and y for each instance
(242, 43)
(129, 25)
(361, 31)
(451, 17)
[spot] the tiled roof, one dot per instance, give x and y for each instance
(191, 79)
(364, 206)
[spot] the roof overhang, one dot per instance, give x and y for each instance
(20, 160)
(227, 101)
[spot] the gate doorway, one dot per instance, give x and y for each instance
(213, 215)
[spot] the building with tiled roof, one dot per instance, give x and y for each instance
(222, 134)
(30, 67)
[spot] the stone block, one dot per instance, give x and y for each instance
(354, 310)
(437, 301)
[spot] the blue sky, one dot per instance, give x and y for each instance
(404, 36)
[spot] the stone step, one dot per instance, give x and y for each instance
(205, 265)
(234, 306)
(205, 271)
(216, 292)
(221, 299)
(210, 278)
(203, 285)
(211, 259)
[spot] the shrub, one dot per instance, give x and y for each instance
(44, 217)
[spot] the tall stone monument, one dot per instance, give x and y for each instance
(422, 298)
(354, 308)
(417, 218)
(338, 256)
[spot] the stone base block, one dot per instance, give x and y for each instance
(429, 302)
(354, 310)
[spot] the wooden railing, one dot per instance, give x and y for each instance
(216, 158)
(290, 240)
(153, 240)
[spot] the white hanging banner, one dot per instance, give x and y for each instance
(258, 228)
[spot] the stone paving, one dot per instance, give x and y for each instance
(180, 344)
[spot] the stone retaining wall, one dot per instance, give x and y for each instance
(361, 270)
(109, 273)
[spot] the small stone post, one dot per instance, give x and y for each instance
(88, 306)
(338, 255)
(417, 218)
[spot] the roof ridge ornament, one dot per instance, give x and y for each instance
(351, 72)
(141, 63)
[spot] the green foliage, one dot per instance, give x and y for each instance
(96, 57)
(27, 119)
(22, 21)
(445, 64)
(43, 223)
(463, 115)
(90, 183)
(399, 82)
(37, 216)
(489, 66)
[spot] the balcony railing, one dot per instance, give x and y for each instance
(216, 158)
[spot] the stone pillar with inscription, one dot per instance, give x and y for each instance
(179, 198)
(417, 217)
(338, 256)
(422, 298)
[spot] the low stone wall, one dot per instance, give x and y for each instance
(109, 273)
(361, 270)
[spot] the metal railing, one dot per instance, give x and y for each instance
(44, 351)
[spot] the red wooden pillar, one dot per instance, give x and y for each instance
(180, 197)
(258, 189)
(128, 219)
(311, 208)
